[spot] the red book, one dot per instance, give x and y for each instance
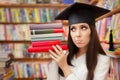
(45, 49)
(45, 43)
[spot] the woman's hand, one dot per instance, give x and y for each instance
(61, 58)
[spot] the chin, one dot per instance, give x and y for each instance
(80, 46)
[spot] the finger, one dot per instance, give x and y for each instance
(53, 57)
(53, 54)
(56, 50)
(59, 47)
(60, 50)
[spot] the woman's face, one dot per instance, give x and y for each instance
(80, 34)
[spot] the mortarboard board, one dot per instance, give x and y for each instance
(81, 12)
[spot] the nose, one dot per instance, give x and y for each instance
(78, 33)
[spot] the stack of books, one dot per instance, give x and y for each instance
(43, 36)
(30, 70)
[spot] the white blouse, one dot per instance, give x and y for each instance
(79, 71)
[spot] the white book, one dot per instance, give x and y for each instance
(47, 35)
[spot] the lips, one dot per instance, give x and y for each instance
(78, 42)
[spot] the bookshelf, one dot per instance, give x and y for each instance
(15, 41)
(32, 59)
(27, 60)
(25, 22)
(22, 41)
(30, 78)
(114, 11)
(93, 2)
(33, 5)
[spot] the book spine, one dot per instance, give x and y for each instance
(44, 31)
(47, 35)
(46, 26)
(45, 43)
(45, 49)
(48, 38)
(103, 28)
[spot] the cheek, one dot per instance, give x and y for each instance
(87, 37)
(72, 36)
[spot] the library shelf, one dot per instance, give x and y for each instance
(15, 41)
(23, 41)
(15, 23)
(112, 12)
(111, 54)
(92, 2)
(32, 59)
(115, 43)
(34, 5)
(45, 78)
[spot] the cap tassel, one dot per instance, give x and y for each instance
(111, 44)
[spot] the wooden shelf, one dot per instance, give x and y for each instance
(27, 22)
(108, 42)
(111, 54)
(114, 11)
(92, 2)
(29, 42)
(33, 59)
(34, 5)
(29, 78)
(16, 41)
(23, 41)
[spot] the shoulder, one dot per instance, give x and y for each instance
(103, 59)
(102, 68)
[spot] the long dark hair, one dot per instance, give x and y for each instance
(94, 48)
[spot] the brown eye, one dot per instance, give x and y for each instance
(83, 27)
(73, 29)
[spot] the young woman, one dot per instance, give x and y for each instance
(85, 59)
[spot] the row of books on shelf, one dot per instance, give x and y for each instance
(30, 69)
(105, 25)
(108, 4)
(41, 1)
(33, 31)
(14, 32)
(28, 14)
(19, 51)
(17, 1)
(35, 1)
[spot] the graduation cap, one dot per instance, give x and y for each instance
(81, 13)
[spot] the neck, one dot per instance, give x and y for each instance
(81, 52)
